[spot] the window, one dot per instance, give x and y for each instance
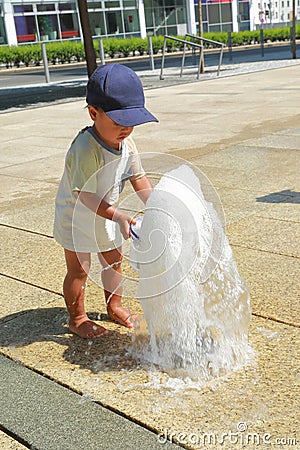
(97, 23)
(25, 28)
(214, 15)
(226, 13)
(46, 7)
(112, 4)
(114, 22)
(128, 3)
(131, 20)
(244, 11)
(22, 8)
(67, 7)
(47, 25)
(69, 25)
(94, 5)
(165, 16)
(2, 30)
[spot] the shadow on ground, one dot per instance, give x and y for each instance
(37, 95)
(108, 353)
(286, 196)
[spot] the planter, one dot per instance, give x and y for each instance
(52, 35)
(97, 31)
(45, 37)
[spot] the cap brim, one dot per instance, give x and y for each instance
(131, 117)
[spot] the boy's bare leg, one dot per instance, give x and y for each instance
(111, 279)
(78, 265)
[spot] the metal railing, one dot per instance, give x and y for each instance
(220, 44)
(185, 43)
(194, 45)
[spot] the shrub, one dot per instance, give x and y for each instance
(6, 56)
(172, 45)
(27, 54)
(236, 38)
(52, 52)
(112, 47)
(36, 54)
(141, 45)
(67, 51)
(277, 34)
(219, 37)
(157, 43)
(78, 51)
(126, 46)
(16, 55)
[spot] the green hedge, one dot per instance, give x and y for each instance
(70, 51)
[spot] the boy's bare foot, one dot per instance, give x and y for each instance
(87, 329)
(121, 315)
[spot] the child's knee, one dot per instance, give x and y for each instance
(78, 274)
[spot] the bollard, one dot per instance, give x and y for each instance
(45, 62)
(229, 43)
(101, 53)
(150, 50)
(261, 34)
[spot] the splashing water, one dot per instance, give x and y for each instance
(196, 306)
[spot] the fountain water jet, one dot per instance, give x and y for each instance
(196, 306)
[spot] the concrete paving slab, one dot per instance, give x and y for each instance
(242, 402)
(32, 258)
(32, 216)
(47, 168)
(252, 157)
(22, 123)
(8, 443)
(29, 148)
(240, 203)
(287, 208)
(266, 234)
(38, 260)
(280, 141)
(272, 281)
(290, 131)
(51, 417)
(18, 297)
(230, 100)
(228, 177)
(249, 168)
(20, 190)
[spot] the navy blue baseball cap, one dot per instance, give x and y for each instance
(118, 91)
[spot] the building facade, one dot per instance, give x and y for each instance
(27, 21)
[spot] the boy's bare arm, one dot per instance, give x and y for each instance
(143, 187)
(104, 209)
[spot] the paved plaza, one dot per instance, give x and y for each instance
(58, 392)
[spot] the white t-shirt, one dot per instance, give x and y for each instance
(92, 166)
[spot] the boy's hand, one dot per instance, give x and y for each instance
(124, 222)
(104, 209)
